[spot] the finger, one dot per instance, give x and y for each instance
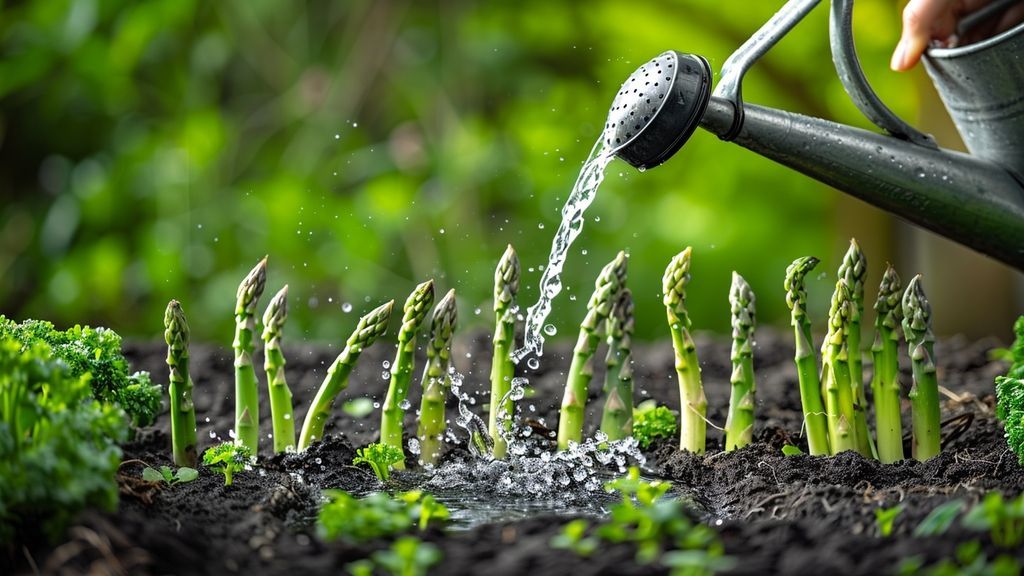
(922, 20)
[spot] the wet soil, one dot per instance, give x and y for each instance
(776, 514)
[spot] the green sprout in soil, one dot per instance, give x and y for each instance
(407, 556)
(417, 305)
(354, 520)
(885, 519)
(617, 417)
(502, 408)
(885, 383)
(650, 522)
(854, 269)
(96, 351)
(273, 364)
(370, 327)
(166, 475)
(247, 397)
(1003, 520)
(969, 560)
(179, 389)
(1010, 394)
(436, 379)
(836, 373)
(739, 425)
(815, 418)
(609, 283)
(651, 421)
(924, 395)
(58, 444)
(381, 458)
(228, 458)
(693, 403)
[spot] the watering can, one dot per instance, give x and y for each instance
(976, 199)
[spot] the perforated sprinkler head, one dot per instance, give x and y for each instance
(657, 108)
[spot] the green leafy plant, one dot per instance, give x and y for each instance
(693, 403)
(885, 519)
(407, 556)
(968, 560)
(381, 457)
(1010, 394)
(247, 396)
(791, 450)
(228, 458)
(378, 515)
(924, 395)
(168, 476)
(651, 421)
(1002, 519)
(58, 444)
(609, 283)
(96, 351)
(659, 527)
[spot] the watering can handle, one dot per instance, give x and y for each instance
(844, 55)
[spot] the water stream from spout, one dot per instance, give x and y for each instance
(583, 193)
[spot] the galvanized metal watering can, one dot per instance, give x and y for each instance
(976, 199)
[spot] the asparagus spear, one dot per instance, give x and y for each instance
(179, 390)
(739, 426)
(417, 305)
(806, 365)
(617, 419)
(506, 285)
(436, 382)
(606, 289)
(693, 403)
(370, 327)
(273, 364)
(855, 269)
(885, 382)
(247, 396)
(924, 395)
(836, 359)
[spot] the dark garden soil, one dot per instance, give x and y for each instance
(776, 514)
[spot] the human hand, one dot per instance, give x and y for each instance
(927, 20)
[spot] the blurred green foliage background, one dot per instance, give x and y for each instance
(155, 150)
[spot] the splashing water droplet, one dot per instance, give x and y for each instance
(346, 307)
(533, 363)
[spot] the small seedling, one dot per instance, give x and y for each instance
(228, 459)
(1002, 519)
(938, 521)
(378, 515)
(885, 519)
(574, 537)
(651, 422)
(791, 450)
(408, 556)
(381, 458)
(1010, 394)
(168, 476)
(426, 508)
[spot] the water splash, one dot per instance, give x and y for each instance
(583, 193)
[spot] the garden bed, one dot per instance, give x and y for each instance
(775, 513)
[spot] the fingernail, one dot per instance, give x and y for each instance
(898, 57)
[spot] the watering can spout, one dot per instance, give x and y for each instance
(976, 199)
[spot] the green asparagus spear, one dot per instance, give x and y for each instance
(885, 382)
(739, 426)
(273, 364)
(247, 396)
(371, 326)
(617, 418)
(836, 360)
(855, 269)
(924, 395)
(179, 390)
(806, 364)
(415, 310)
(606, 290)
(693, 403)
(436, 380)
(506, 285)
